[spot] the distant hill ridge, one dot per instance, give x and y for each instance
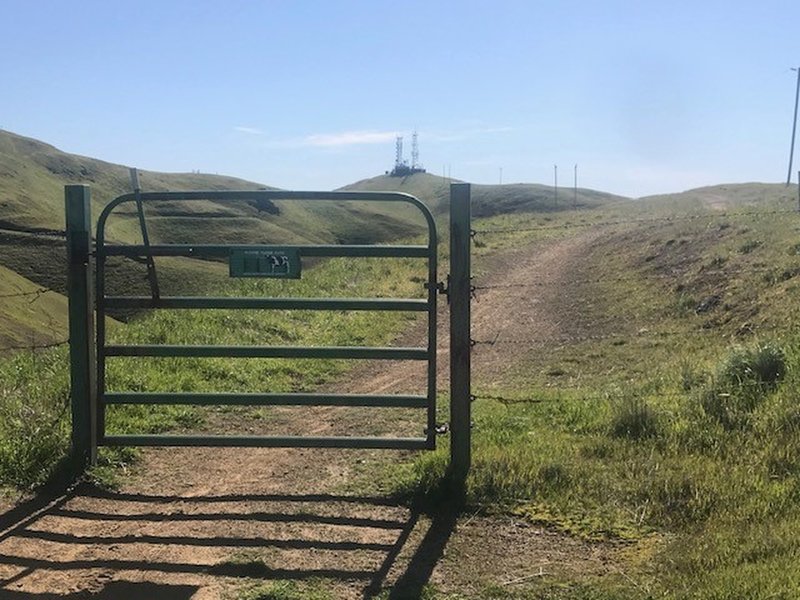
(32, 179)
(489, 200)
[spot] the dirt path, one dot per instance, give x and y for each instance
(193, 523)
(524, 294)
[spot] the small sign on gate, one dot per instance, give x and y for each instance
(276, 263)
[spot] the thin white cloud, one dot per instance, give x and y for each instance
(348, 138)
(361, 137)
(248, 130)
(333, 140)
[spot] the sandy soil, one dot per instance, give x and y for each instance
(196, 523)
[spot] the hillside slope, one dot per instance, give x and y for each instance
(29, 315)
(33, 175)
(489, 200)
(727, 196)
(32, 179)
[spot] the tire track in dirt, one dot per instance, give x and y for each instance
(192, 522)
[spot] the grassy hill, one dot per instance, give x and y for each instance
(726, 197)
(32, 252)
(29, 315)
(658, 420)
(33, 175)
(489, 200)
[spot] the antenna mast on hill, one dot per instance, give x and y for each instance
(401, 167)
(398, 153)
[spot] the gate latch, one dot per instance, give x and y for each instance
(441, 287)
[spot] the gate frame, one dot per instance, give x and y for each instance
(86, 336)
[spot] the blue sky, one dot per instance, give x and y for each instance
(645, 97)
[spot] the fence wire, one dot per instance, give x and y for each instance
(34, 294)
(556, 393)
(649, 220)
(786, 272)
(35, 346)
(575, 396)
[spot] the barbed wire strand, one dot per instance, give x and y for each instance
(48, 234)
(35, 347)
(571, 393)
(673, 219)
(781, 273)
(587, 397)
(38, 292)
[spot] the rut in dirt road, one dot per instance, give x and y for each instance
(195, 522)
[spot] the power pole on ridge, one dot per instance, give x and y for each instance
(555, 185)
(794, 126)
(575, 196)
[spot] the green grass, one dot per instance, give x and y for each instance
(34, 413)
(34, 386)
(722, 502)
(27, 317)
(677, 430)
(284, 590)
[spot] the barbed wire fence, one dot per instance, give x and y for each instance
(642, 221)
(34, 295)
(560, 392)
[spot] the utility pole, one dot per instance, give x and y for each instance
(794, 127)
(555, 185)
(575, 196)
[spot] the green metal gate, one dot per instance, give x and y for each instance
(88, 356)
(270, 261)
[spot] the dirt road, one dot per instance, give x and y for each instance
(200, 523)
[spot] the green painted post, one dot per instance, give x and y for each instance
(83, 390)
(460, 348)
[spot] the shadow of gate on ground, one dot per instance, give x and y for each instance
(42, 544)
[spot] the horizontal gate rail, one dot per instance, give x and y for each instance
(365, 352)
(258, 441)
(393, 304)
(217, 250)
(244, 399)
